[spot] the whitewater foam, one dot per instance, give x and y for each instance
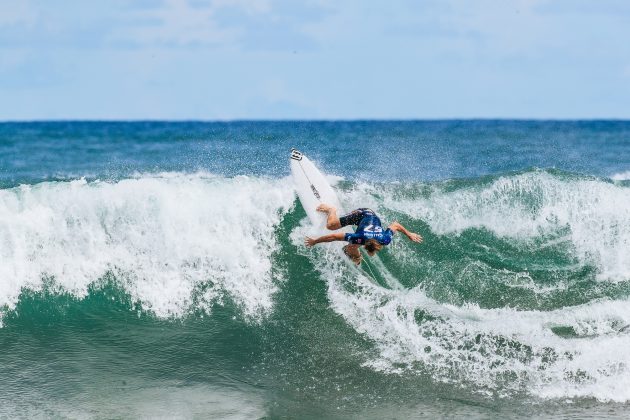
(621, 176)
(591, 215)
(497, 352)
(568, 352)
(168, 238)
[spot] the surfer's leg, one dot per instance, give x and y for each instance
(332, 222)
(352, 218)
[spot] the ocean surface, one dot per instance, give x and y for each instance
(156, 269)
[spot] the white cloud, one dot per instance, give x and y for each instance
(176, 22)
(231, 24)
(518, 28)
(185, 22)
(17, 13)
(250, 7)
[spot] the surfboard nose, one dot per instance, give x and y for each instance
(296, 154)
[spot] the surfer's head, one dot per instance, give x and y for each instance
(372, 246)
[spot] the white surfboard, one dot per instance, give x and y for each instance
(313, 189)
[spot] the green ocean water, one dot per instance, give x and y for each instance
(141, 288)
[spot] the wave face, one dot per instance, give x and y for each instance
(521, 286)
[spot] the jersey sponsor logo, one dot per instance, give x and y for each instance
(373, 229)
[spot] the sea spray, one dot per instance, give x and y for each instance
(161, 235)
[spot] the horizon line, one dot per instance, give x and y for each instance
(300, 120)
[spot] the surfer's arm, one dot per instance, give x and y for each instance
(326, 238)
(397, 227)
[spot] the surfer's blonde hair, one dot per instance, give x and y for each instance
(372, 246)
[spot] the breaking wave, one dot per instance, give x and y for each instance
(521, 287)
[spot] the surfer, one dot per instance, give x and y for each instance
(369, 233)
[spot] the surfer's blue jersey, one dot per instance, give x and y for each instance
(368, 227)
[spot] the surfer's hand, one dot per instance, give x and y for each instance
(415, 237)
(309, 242)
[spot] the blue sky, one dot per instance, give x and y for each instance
(268, 59)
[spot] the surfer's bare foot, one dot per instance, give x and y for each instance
(324, 208)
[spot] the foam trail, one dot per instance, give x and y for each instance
(163, 236)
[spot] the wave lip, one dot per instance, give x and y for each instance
(621, 176)
(168, 238)
(591, 215)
